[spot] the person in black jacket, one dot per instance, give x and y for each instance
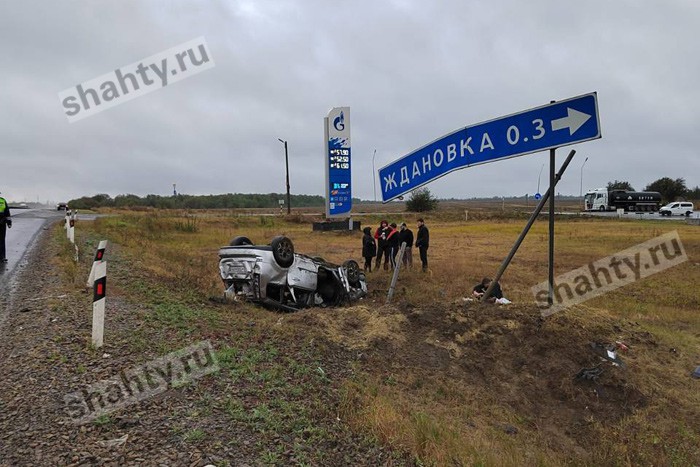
(406, 236)
(393, 241)
(369, 248)
(381, 235)
(5, 222)
(423, 242)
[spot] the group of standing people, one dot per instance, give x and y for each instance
(387, 240)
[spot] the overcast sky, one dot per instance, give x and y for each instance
(411, 71)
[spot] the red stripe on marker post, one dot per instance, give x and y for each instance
(99, 256)
(100, 289)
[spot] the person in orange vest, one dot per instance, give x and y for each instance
(5, 222)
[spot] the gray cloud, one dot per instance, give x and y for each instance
(411, 71)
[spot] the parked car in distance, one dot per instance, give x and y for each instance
(62, 207)
(275, 276)
(679, 208)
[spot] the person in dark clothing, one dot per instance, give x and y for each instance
(5, 222)
(381, 235)
(422, 243)
(393, 242)
(480, 289)
(406, 236)
(369, 248)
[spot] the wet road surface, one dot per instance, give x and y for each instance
(26, 225)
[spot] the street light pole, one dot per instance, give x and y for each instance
(580, 190)
(374, 177)
(286, 162)
(538, 178)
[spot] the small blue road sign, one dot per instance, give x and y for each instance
(538, 196)
(559, 124)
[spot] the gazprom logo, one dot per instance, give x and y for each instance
(339, 122)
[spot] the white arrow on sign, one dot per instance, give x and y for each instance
(573, 121)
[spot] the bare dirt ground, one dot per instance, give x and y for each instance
(288, 418)
(520, 359)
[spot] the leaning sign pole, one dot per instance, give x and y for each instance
(547, 127)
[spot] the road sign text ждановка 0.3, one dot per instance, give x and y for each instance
(559, 124)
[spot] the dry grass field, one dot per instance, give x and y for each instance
(445, 381)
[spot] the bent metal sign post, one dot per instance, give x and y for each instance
(550, 126)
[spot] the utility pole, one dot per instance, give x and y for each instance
(286, 162)
(580, 191)
(374, 176)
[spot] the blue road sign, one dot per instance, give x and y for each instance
(565, 122)
(538, 196)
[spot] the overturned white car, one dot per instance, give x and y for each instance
(273, 275)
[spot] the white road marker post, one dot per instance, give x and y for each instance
(71, 230)
(99, 291)
(67, 223)
(99, 257)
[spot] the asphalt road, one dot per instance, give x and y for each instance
(26, 225)
(640, 216)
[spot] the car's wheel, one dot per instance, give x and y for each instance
(282, 251)
(687, 214)
(352, 269)
(602, 208)
(240, 241)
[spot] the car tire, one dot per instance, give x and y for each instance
(352, 269)
(601, 209)
(687, 214)
(283, 251)
(237, 241)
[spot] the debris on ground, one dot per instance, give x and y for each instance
(622, 346)
(607, 352)
(590, 374)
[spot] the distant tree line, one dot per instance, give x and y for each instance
(225, 201)
(670, 189)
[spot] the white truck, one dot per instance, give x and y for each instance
(602, 199)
